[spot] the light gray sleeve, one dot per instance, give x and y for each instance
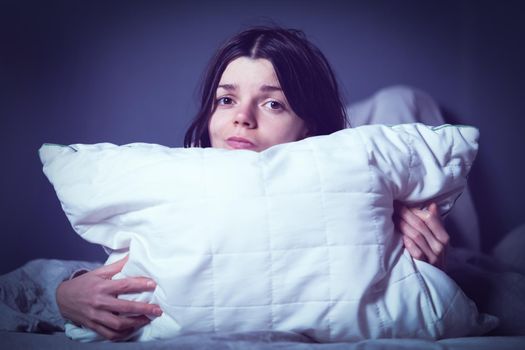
(27, 295)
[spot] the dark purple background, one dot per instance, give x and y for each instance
(127, 71)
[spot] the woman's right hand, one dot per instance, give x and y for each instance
(91, 300)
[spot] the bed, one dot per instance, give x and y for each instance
(258, 340)
(29, 318)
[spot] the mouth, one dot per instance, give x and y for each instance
(239, 143)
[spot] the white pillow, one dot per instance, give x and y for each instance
(298, 237)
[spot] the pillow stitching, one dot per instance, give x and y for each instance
(449, 307)
(452, 173)
(269, 231)
(440, 319)
(380, 247)
(212, 249)
(405, 277)
(452, 169)
(426, 293)
(371, 188)
(292, 248)
(323, 204)
(348, 301)
(411, 153)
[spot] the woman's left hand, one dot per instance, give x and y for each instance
(424, 236)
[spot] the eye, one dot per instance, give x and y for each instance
(274, 105)
(224, 101)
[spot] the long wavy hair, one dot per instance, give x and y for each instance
(304, 74)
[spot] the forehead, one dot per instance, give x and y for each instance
(250, 72)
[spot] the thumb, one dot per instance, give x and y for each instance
(110, 270)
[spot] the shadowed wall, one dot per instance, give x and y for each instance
(128, 71)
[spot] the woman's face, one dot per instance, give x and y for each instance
(252, 111)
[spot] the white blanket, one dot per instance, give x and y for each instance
(296, 238)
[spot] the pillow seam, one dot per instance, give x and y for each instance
(212, 255)
(380, 247)
(323, 201)
(269, 230)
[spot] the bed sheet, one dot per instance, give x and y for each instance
(257, 341)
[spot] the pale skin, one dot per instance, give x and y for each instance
(252, 108)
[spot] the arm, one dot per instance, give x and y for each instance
(424, 236)
(91, 300)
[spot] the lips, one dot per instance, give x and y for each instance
(239, 143)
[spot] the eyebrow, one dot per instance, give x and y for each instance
(264, 88)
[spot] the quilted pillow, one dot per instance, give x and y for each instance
(298, 237)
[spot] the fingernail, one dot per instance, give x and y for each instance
(150, 284)
(157, 311)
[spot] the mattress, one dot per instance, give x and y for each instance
(257, 340)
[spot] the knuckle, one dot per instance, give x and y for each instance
(98, 288)
(124, 284)
(96, 301)
(138, 322)
(91, 325)
(418, 255)
(420, 226)
(127, 309)
(120, 325)
(437, 246)
(420, 240)
(406, 229)
(102, 331)
(91, 314)
(151, 310)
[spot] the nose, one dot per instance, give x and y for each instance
(245, 117)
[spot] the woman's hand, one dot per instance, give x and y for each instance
(91, 301)
(424, 236)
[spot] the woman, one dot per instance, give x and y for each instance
(265, 86)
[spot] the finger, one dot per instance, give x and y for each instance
(132, 307)
(417, 239)
(120, 323)
(110, 270)
(420, 226)
(109, 333)
(412, 248)
(129, 285)
(432, 219)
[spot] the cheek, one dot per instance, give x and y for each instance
(212, 131)
(214, 125)
(282, 134)
(216, 129)
(294, 131)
